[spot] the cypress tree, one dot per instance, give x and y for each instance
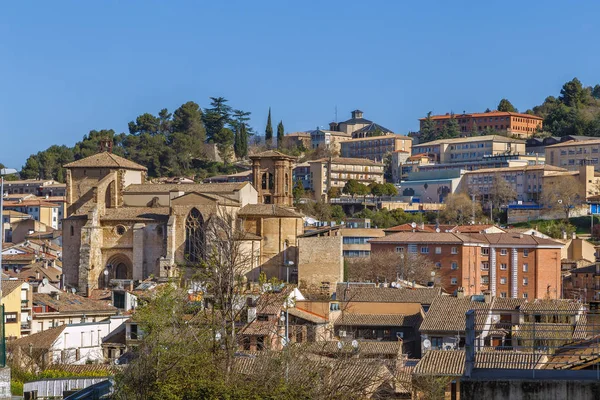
(280, 133)
(243, 141)
(269, 131)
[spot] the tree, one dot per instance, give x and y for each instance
(506, 106)
(501, 192)
(572, 93)
(224, 141)
(460, 209)
(269, 131)
(216, 117)
(334, 192)
(563, 194)
(428, 129)
(388, 266)
(298, 190)
(337, 213)
(596, 92)
(353, 187)
(387, 168)
(451, 128)
(322, 210)
(280, 134)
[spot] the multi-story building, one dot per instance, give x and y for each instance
(328, 140)
(41, 210)
(514, 124)
(335, 172)
(573, 154)
(375, 148)
(527, 181)
(38, 187)
(583, 283)
(297, 139)
(431, 186)
(16, 299)
(497, 161)
(507, 265)
(460, 150)
(355, 241)
(301, 172)
(359, 127)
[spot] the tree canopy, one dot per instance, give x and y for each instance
(506, 106)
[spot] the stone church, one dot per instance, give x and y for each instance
(118, 226)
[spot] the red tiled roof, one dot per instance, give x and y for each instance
(480, 115)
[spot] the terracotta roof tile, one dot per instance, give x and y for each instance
(441, 362)
(552, 306)
(425, 237)
(448, 314)
(136, 214)
(268, 210)
(69, 302)
(307, 315)
(10, 285)
(365, 348)
(352, 293)
(186, 187)
(495, 138)
(40, 340)
(350, 161)
(105, 160)
(487, 114)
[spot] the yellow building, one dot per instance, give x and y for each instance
(375, 148)
(16, 298)
(573, 154)
(468, 149)
(335, 172)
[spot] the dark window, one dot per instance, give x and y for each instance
(194, 236)
(133, 333)
(119, 300)
(10, 317)
(260, 343)
(264, 181)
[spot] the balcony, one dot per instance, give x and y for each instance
(25, 326)
(25, 304)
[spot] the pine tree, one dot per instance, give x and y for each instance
(280, 133)
(269, 131)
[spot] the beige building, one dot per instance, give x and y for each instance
(469, 148)
(375, 148)
(335, 172)
(320, 263)
(120, 227)
(272, 177)
(359, 127)
(328, 140)
(572, 154)
(355, 241)
(39, 209)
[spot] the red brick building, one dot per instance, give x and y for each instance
(505, 264)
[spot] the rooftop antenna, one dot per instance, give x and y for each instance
(336, 114)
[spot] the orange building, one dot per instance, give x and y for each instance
(521, 125)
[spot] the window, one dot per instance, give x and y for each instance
(525, 267)
(120, 229)
(194, 236)
(437, 342)
(525, 281)
(485, 251)
(503, 281)
(399, 249)
(10, 317)
(485, 266)
(525, 252)
(453, 281)
(454, 250)
(525, 295)
(454, 265)
(503, 252)
(503, 294)
(438, 265)
(260, 343)
(424, 250)
(438, 250)
(485, 280)
(503, 266)
(412, 248)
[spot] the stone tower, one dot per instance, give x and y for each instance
(272, 177)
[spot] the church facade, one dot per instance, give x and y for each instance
(118, 226)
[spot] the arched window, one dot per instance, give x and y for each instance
(264, 180)
(121, 271)
(194, 236)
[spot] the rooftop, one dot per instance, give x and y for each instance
(471, 139)
(136, 214)
(351, 319)
(41, 340)
(481, 115)
(185, 187)
(349, 161)
(372, 294)
(268, 210)
(447, 314)
(69, 302)
(391, 136)
(105, 160)
(570, 143)
(524, 168)
(425, 237)
(373, 127)
(272, 154)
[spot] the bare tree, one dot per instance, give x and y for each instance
(460, 209)
(563, 193)
(389, 266)
(501, 192)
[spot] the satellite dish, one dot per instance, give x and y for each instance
(73, 290)
(340, 345)
(284, 341)
(393, 284)
(414, 225)
(29, 318)
(426, 344)
(448, 347)
(355, 344)
(437, 230)
(44, 281)
(495, 318)
(559, 201)
(190, 291)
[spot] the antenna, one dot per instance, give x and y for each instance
(336, 114)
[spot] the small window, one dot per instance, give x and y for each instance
(10, 317)
(438, 250)
(525, 281)
(503, 266)
(525, 267)
(503, 281)
(120, 230)
(438, 265)
(412, 248)
(454, 250)
(485, 266)
(485, 280)
(525, 295)
(525, 252)
(424, 250)
(453, 281)
(503, 252)
(485, 251)
(454, 265)
(399, 249)
(503, 294)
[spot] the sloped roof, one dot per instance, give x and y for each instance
(349, 161)
(10, 285)
(425, 237)
(506, 359)
(494, 113)
(307, 315)
(448, 314)
(271, 154)
(69, 302)
(136, 214)
(268, 210)
(509, 239)
(364, 348)
(495, 138)
(550, 306)
(373, 127)
(40, 340)
(441, 362)
(371, 294)
(259, 328)
(347, 319)
(408, 228)
(105, 160)
(185, 187)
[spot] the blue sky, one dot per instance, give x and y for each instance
(67, 67)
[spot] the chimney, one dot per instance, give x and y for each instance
(333, 126)
(564, 235)
(55, 295)
(487, 296)
(573, 236)
(87, 290)
(460, 293)
(106, 145)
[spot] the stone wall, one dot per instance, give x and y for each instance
(539, 389)
(320, 260)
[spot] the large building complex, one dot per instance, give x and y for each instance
(508, 265)
(460, 150)
(335, 172)
(572, 154)
(513, 124)
(376, 147)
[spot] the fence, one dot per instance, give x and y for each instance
(52, 388)
(533, 343)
